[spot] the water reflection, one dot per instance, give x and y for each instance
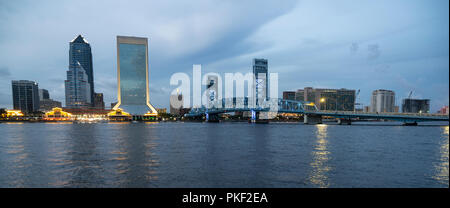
(135, 155)
(321, 156)
(442, 173)
(84, 159)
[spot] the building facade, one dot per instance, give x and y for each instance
(43, 94)
(289, 95)
(410, 105)
(48, 105)
(382, 101)
(78, 89)
(80, 52)
(260, 83)
(300, 95)
(25, 95)
(329, 99)
(98, 101)
(132, 76)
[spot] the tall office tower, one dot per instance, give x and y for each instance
(98, 101)
(260, 71)
(43, 94)
(300, 95)
(78, 89)
(80, 51)
(132, 76)
(288, 95)
(410, 105)
(25, 95)
(382, 101)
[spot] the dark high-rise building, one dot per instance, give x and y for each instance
(98, 101)
(410, 105)
(260, 71)
(289, 95)
(25, 95)
(43, 94)
(80, 51)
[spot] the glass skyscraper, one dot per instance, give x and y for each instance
(78, 89)
(25, 95)
(132, 76)
(80, 51)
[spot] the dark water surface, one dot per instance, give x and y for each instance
(222, 155)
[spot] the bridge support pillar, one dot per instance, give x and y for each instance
(260, 117)
(342, 121)
(312, 119)
(212, 118)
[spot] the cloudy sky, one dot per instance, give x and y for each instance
(401, 45)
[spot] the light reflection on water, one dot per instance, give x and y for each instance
(321, 156)
(442, 174)
(222, 155)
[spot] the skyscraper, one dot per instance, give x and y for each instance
(25, 95)
(78, 89)
(43, 94)
(260, 70)
(80, 51)
(132, 76)
(382, 101)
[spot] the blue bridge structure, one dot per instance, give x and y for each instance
(310, 112)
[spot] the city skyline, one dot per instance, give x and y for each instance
(409, 52)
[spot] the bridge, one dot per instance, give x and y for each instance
(311, 114)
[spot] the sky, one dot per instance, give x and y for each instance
(400, 45)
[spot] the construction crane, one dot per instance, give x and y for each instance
(410, 93)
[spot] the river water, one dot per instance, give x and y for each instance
(223, 155)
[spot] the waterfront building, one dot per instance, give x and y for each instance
(132, 76)
(260, 84)
(48, 104)
(80, 52)
(382, 101)
(410, 105)
(300, 95)
(443, 110)
(366, 109)
(77, 87)
(289, 95)
(329, 99)
(161, 110)
(43, 94)
(98, 101)
(25, 95)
